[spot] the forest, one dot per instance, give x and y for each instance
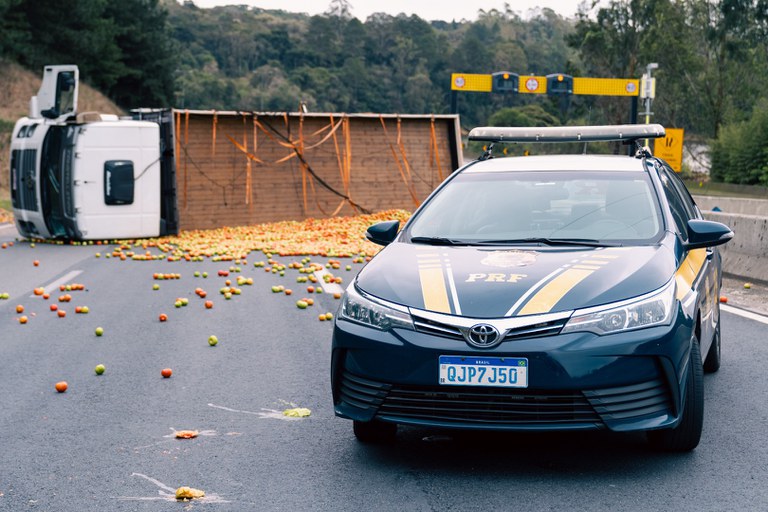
(712, 58)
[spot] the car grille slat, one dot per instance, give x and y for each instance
(488, 406)
(429, 327)
(546, 329)
(362, 393)
(637, 400)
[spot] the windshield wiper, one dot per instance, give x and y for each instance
(436, 240)
(585, 242)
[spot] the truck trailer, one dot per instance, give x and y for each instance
(91, 176)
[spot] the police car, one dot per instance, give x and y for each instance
(561, 292)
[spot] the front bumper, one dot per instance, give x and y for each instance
(577, 381)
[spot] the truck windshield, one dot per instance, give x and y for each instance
(56, 182)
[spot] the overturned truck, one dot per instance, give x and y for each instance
(90, 176)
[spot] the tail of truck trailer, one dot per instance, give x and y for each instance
(91, 176)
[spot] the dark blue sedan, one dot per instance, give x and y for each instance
(538, 293)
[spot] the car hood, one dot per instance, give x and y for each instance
(483, 282)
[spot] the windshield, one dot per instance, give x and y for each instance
(56, 181)
(506, 207)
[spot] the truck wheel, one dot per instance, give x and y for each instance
(685, 437)
(712, 362)
(374, 432)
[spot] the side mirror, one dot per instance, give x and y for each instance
(383, 233)
(707, 233)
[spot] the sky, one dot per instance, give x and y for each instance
(447, 10)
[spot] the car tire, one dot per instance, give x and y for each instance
(712, 362)
(374, 432)
(685, 437)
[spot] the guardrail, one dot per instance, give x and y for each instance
(746, 256)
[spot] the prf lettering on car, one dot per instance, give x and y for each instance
(495, 278)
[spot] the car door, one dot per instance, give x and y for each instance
(704, 262)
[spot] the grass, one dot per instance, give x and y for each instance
(5, 198)
(710, 188)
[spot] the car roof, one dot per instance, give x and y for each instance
(588, 163)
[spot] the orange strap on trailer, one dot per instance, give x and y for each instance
(186, 144)
(433, 149)
(408, 185)
(247, 164)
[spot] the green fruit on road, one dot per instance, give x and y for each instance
(301, 304)
(212, 340)
(99, 369)
(99, 331)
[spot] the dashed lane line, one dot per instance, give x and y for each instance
(327, 287)
(68, 277)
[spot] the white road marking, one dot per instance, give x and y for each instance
(62, 280)
(745, 314)
(327, 287)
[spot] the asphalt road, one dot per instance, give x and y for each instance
(108, 444)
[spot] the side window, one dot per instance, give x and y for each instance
(681, 212)
(685, 195)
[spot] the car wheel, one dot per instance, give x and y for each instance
(685, 437)
(374, 432)
(712, 362)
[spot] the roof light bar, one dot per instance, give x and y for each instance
(623, 132)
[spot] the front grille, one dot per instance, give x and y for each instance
(644, 399)
(446, 330)
(488, 406)
(24, 185)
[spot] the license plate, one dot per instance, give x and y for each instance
(505, 372)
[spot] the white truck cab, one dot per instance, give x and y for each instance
(90, 176)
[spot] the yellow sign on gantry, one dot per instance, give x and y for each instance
(670, 148)
(532, 84)
(606, 86)
(469, 82)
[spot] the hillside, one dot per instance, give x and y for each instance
(17, 85)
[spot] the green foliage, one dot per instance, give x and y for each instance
(527, 115)
(740, 153)
(121, 47)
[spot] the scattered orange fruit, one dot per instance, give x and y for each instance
(166, 372)
(61, 386)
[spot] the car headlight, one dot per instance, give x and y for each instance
(648, 310)
(360, 308)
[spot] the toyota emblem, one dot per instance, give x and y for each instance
(483, 336)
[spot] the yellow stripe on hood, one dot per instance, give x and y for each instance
(551, 293)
